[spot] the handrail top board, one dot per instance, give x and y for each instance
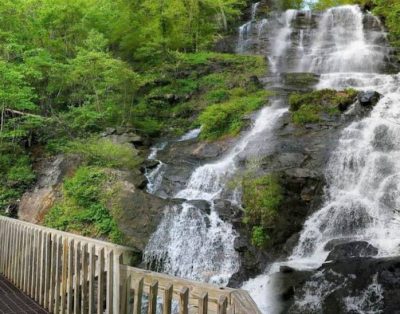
(73, 236)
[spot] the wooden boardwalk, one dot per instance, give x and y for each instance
(13, 301)
(65, 273)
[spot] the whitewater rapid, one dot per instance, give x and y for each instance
(363, 172)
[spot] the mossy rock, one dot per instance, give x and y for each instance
(320, 105)
(300, 81)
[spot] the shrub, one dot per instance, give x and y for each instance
(103, 152)
(308, 107)
(261, 198)
(306, 114)
(82, 209)
(259, 237)
(16, 174)
(227, 118)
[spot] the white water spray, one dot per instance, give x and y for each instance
(363, 174)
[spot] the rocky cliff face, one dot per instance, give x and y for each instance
(138, 213)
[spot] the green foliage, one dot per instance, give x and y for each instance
(307, 114)
(291, 4)
(71, 68)
(15, 174)
(308, 107)
(261, 199)
(104, 153)
(83, 208)
(191, 83)
(259, 237)
(325, 4)
(389, 10)
(228, 118)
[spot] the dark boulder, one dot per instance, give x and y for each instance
(352, 285)
(226, 210)
(352, 249)
(202, 205)
(368, 98)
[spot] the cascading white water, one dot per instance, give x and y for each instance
(190, 135)
(245, 31)
(193, 244)
(207, 182)
(340, 45)
(282, 40)
(190, 243)
(154, 177)
(363, 173)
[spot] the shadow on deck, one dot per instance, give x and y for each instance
(14, 301)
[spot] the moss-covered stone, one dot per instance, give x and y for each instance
(300, 81)
(312, 107)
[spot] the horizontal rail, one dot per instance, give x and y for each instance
(67, 273)
(172, 292)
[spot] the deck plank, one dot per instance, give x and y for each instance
(13, 301)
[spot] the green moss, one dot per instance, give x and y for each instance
(83, 209)
(259, 237)
(227, 118)
(309, 107)
(261, 199)
(307, 114)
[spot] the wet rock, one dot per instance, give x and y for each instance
(362, 284)
(203, 205)
(302, 173)
(138, 214)
(212, 150)
(255, 81)
(291, 243)
(126, 138)
(352, 249)
(240, 244)
(149, 165)
(300, 81)
(368, 98)
(226, 210)
(226, 44)
(286, 269)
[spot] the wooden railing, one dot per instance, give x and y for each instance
(66, 273)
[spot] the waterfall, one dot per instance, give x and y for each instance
(190, 135)
(340, 44)
(154, 177)
(192, 243)
(363, 173)
(347, 48)
(207, 182)
(245, 31)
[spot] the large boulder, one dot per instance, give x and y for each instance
(351, 285)
(35, 203)
(352, 249)
(138, 213)
(368, 98)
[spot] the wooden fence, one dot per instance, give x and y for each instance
(66, 273)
